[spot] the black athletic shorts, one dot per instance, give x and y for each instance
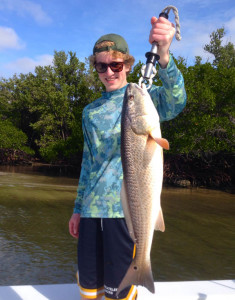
(105, 251)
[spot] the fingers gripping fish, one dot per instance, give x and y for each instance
(142, 161)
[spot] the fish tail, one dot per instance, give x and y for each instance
(138, 276)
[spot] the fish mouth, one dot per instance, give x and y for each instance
(132, 86)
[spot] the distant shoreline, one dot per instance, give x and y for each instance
(180, 170)
(213, 171)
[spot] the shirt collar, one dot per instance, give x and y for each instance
(108, 95)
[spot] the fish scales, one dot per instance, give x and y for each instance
(142, 163)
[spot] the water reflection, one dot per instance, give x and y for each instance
(199, 240)
(36, 248)
(35, 244)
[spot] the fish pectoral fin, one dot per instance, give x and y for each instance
(163, 143)
(160, 224)
(159, 140)
(126, 211)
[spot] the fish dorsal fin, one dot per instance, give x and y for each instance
(126, 211)
(160, 225)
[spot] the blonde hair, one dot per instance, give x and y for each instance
(127, 58)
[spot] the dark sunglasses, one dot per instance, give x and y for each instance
(115, 66)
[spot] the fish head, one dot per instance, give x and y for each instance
(140, 109)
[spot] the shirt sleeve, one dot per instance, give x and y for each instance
(85, 170)
(170, 98)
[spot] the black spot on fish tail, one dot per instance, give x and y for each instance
(138, 276)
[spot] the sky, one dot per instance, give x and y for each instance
(31, 30)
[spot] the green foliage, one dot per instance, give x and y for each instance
(224, 55)
(207, 122)
(5, 95)
(13, 138)
(135, 74)
(48, 106)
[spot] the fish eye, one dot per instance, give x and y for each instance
(131, 97)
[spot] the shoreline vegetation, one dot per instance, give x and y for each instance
(212, 171)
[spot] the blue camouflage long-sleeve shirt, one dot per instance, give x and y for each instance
(98, 193)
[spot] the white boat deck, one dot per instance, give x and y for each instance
(182, 290)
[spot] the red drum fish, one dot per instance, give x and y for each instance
(142, 161)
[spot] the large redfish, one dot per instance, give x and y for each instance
(142, 161)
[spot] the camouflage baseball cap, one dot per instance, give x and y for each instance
(119, 43)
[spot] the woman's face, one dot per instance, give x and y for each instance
(112, 80)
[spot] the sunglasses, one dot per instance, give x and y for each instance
(114, 66)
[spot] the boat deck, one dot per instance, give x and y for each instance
(182, 290)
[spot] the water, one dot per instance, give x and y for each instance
(199, 241)
(36, 248)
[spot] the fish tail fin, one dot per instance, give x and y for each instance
(138, 276)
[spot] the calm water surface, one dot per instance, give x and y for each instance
(36, 248)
